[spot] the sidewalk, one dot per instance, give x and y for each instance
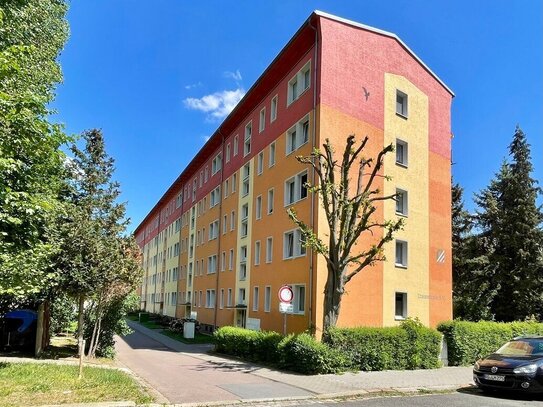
(276, 385)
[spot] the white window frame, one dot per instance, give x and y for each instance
(272, 152)
(403, 156)
(273, 108)
(267, 298)
(216, 164)
(262, 120)
(299, 82)
(236, 145)
(403, 314)
(402, 200)
(257, 252)
(404, 247)
(229, 298)
(258, 207)
(231, 260)
(402, 104)
(269, 249)
(297, 190)
(212, 264)
(228, 152)
(215, 197)
(260, 163)
(299, 306)
(210, 298)
(297, 136)
(256, 297)
(221, 299)
(298, 249)
(247, 139)
(271, 199)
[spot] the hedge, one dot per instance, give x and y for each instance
(409, 346)
(469, 341)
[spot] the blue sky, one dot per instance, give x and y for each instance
(157, 77)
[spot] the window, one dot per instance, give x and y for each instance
(255, 298)
(229, 298)
(212, 264)
(298, 301)
(236, 145)
(293, 245)
(206, 174)
(267, 299)
(400, 307)
(178, 200)
(194, 185)
(210, 298)
(231, 260)
(243, 262)
(271, 162)
(269, 249)
(228, 152)
(258, 207)
(270, 201)
(401, 152)
(299, 83)
(201, 179)
(216, 164)
(401, 253)
(215, 197)
(224, 224)
(214, 230)
(244, 220)
(401, 103)
(245, 186)
(273, 109)
(241, 296)
(226, 188)
(262, 120)
(401, 202)
(260, 163)
(223, 261)
(234, 182)
(257, 252)
(298, 135)
(221, 299)
(247, 142)
(232, 220)
(295, 188)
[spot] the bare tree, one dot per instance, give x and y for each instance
(350, 214)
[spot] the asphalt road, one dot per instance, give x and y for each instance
(471, 398)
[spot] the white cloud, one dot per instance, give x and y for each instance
(193, 85)
(234, 75)
(218, 104)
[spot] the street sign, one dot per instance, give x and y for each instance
(285, 294)
(286, 308)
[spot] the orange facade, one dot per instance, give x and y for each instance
(219, 244)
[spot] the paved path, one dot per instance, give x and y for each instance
(186, 373)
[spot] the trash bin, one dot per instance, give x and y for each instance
(19, 330)
(188, 330)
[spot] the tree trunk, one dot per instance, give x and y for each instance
(80, 342)
(332, 300)
(93, 337)
(97, 339)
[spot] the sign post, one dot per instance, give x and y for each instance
(285, 304)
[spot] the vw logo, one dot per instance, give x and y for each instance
(494, 369)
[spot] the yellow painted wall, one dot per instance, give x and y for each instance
(414, 280)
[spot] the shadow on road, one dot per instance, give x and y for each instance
(503, 395)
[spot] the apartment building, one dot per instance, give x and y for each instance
(219, 244)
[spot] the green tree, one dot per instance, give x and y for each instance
(349, 208)
(32, 33)
(511, 225)
(98, 265)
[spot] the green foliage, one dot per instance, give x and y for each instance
(498, 270)
(32, 33)
(302, 353)
(409, 346)
(470, 341)
(63, 313)
(257, 346)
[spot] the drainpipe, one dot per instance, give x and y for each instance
(219, 258)
(313, 144)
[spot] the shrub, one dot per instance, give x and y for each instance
(256, 346)
(469, 341)
(409, 346)
(302, 353)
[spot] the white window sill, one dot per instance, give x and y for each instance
(400, 266)
(401, 115)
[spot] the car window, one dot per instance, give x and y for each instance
(522, 347)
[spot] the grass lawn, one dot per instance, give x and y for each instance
(29, 384)
(150, 325)
(198, 338)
